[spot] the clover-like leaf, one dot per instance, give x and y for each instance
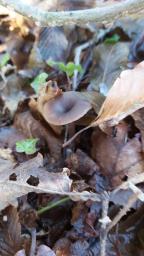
(68, 68)
(112, 40)
(39, 81)
(4, 60)
(27, 146)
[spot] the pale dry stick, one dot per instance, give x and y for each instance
(33, 242)
(132, 199)
(77, 58)
(106, 14)
(104, 221)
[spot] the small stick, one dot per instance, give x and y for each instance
(77, 58)
(132, 199)
(33, 242)
(104, 221)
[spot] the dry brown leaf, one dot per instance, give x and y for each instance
(14, 182)
(10, 232)
(125, 97)
(82, 163)
(31, 127)
(44, 250)
(139, 122)
(116, 158)
(31, 176)
(20, 253)
(62, 247)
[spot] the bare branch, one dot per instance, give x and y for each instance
(99, 14)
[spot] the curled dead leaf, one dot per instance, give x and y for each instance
(125, 97)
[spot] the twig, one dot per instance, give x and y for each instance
(4, 80)
(99, 14)
(33, 242)
(104, 221)
(77, 58)
(132, 199)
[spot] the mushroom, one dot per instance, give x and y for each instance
(65, 108)
(60, 108)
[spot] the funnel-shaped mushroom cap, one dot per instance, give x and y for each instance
(66, 108)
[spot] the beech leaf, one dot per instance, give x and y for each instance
(125, 97)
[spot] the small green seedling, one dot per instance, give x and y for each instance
(68, 68)
(5, 59)
(27, 146)
(112, 40)
(39, 81)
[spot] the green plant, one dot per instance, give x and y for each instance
(5, 59)
(39, 81)
(68, 68)
(27, 146)
(112, 40)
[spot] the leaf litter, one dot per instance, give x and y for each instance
(57, 200)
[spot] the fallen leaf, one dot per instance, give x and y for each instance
(139, 123)
(117, 159)
(137, 48)
(24, 175)
(30, 127)
(10, 232)
(103, 73)
(44, 250)
(20, 253)
(82, 163)
(31, 176)
(62, 247)
(125, 97)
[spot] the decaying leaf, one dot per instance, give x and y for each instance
(10, 232)
(44, 250)
(31, 127)
(20, 253)
(52, 44)
(31, 176)
(139, 122)
(125, 97)
(14, 182)
(82, 163)
(116, 157)
(103, 73)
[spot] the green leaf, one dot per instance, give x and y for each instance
(68, 68)
(112, 40)
(27, 146)
(4, 60)
(71, 67)
(51, 63)
(39, 81)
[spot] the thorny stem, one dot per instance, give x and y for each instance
(106, 14)
(53, 205)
